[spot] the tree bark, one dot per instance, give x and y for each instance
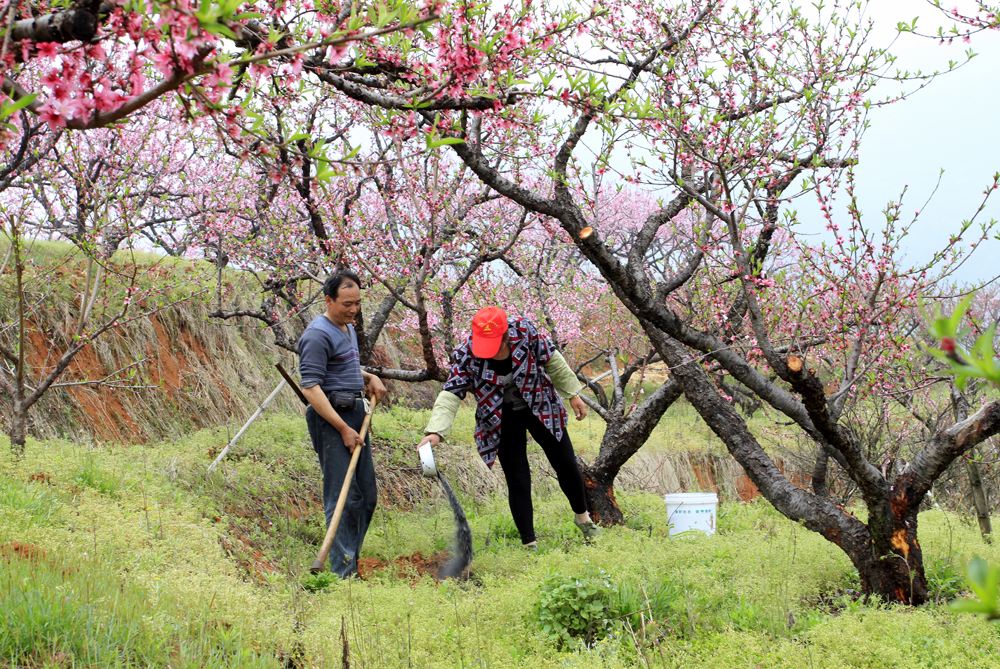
(18, 425)
(979, 499)
(885, 552)
(600, 491)
(18, 430)
(892, 565)
(820, 469)
(960, 407)
(947, 445)
(67, 26)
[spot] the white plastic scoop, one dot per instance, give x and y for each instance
(427, 460)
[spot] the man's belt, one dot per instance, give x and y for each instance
(344, 399)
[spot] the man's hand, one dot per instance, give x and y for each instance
(433, 439)
(579, 407)
(375, 387)
(352, 439)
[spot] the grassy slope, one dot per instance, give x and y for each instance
(131, 556)
(186, 370)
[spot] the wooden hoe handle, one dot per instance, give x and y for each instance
(338, 511)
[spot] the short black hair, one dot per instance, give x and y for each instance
(333, 283)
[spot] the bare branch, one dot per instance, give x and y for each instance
(68, 26)
(947, 445)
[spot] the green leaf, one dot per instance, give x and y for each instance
(983, 349)
(352, 153)
(9, 109)
(977, 570)
(219, 29)
(970, 606)
(434, 141)
(956, 318)
(325, 174)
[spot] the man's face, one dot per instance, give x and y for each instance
(344, 308)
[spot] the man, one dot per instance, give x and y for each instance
(333, 382)
(514, 373)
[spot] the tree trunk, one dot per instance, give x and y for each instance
(894, 580)
(600, 493)
(979, 499)
(623, 438)
(18, 430)
(892, 565)
(65, 26)
(819, 473)
(885, 552)
(19, 421)
(960, 407)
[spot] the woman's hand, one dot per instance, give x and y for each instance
(432, 438)
(579, 407)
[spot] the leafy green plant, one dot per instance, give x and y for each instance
(641, 603)
(984, 581)
(318, 582)
(576, 608)
(944, 580)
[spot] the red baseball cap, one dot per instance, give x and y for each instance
(488, 328)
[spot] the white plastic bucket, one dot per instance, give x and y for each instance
(691, 511)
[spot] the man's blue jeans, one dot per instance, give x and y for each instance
(334, 458)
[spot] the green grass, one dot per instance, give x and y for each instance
(132, 556)
(64, 610)
(25, 504)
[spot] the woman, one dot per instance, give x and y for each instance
(514, 372)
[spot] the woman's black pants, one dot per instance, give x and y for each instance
(513, 455)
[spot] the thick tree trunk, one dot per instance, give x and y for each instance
(601, 501)
(885, 552)
(892, 565)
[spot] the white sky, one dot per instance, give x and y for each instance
(952, 125)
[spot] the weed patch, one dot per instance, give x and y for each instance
(93, 476)
(27, 504)
(945, 580)
(576, 608)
